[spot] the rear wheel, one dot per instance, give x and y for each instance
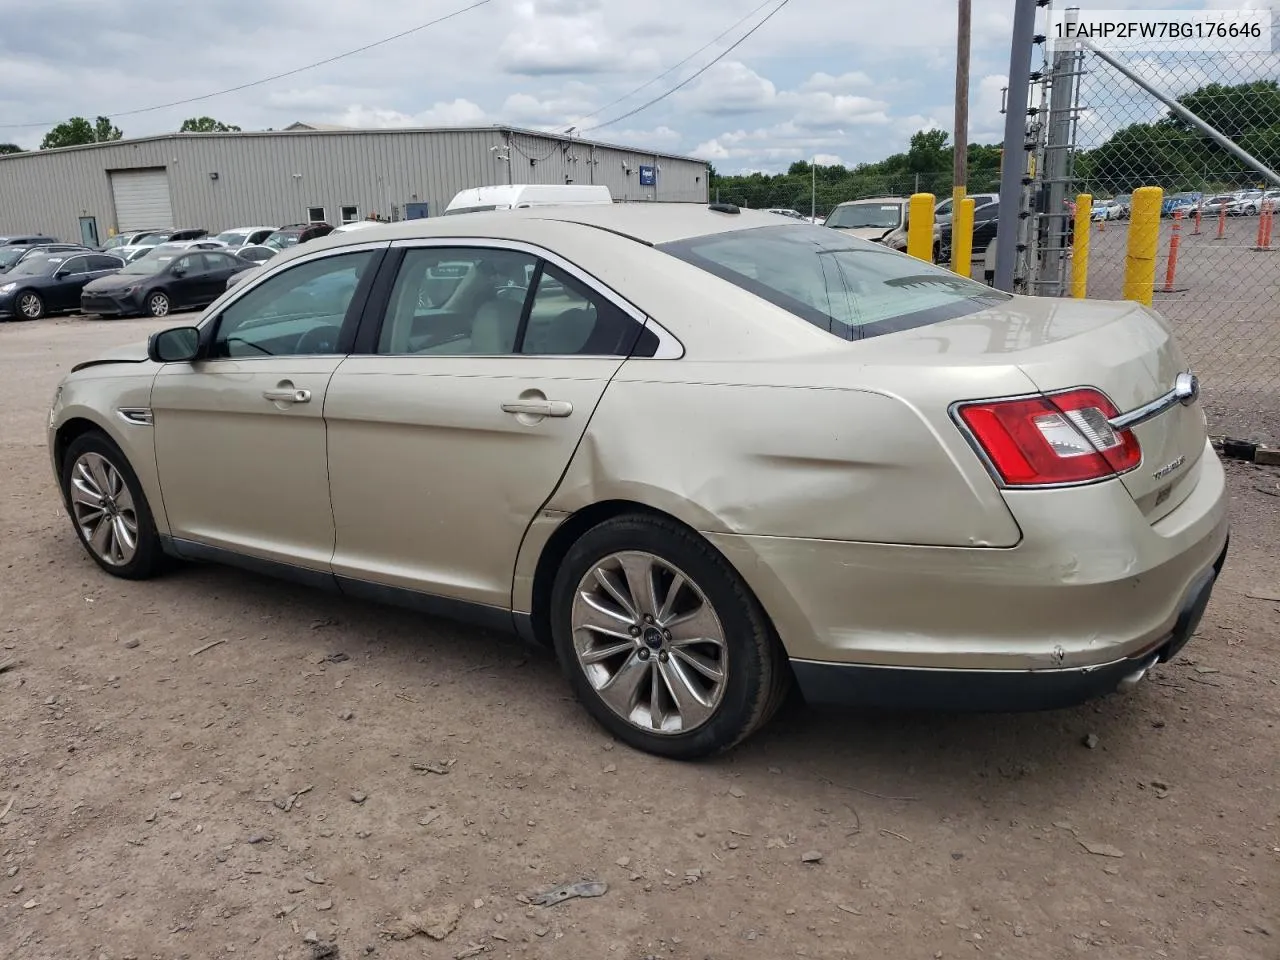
(662, 641)
(30, 305)
(158, 304)
(108, 508)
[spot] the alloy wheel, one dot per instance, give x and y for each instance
(159, 305)
(30, 306)
(649, 643)
(104, 509)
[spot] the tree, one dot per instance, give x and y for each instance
(206, 125)
(10, 148)
(78, 130)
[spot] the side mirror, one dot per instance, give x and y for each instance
(175, 345)
(60, 274)
(179, 272)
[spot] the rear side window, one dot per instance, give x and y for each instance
(853, 289)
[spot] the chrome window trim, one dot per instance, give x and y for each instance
(669, 346)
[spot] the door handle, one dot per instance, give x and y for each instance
(287, 396)
(539, 408)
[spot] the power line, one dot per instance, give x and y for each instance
(701, 70)
(278, 76)
(675, 67)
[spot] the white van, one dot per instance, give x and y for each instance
(512, 196)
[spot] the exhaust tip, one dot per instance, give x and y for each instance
(1131, 680)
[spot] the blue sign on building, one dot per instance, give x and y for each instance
(648, 176)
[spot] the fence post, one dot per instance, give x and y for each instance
(920, 226)
(1171, 266)
(1144, 234)
(962, 236)
(1080, 255)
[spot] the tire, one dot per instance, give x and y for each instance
(158, 304)
(714, 715)
(30, 305)
(94, 466)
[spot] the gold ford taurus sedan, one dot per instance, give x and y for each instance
(701, 452)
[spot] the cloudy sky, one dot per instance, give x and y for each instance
(843, 80)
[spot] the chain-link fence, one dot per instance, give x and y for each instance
(765, 193)
(1223, 295)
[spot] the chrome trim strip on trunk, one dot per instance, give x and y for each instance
(1186, 388)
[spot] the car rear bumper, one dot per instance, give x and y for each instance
(1092, 583)
(923, 688)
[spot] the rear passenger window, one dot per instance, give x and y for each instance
(566, 317)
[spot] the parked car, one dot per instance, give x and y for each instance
(256, 254)
(357, 225)
(127, 239)
(239, 237)
(26, 240)
(788, 212)
(943, 212)
(1106, 210)
(1186, 202)
(1123, 202)
(173, 247)
(846, 430)
(51, 282)
(11, 256)
(298, 233)
(1223, 203)
(157, 285)
(879, 219)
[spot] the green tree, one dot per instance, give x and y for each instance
(206, 125)
(78, 130)
(10, 148)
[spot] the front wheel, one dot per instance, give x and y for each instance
(108, 508)
(158, 304)
(30, 305)
(662, 641)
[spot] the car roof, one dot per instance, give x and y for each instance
(849, 203)
(649, 223)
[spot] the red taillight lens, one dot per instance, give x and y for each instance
(1059, 438)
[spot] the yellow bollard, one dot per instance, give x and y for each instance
(1144, 234)
(1080, 251)
(962, 236)
(920, 226)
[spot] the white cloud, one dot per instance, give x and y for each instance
(826, 83)
(457, 112)
(828, 160)
(730, 87)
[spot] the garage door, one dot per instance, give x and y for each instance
(142, 199)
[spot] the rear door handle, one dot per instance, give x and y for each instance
(539, 408)
(288, 396)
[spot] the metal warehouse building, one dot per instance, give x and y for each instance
(222, 180)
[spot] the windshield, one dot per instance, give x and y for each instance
(882, 216)
(145, 266)
(281, 240)
(233, 238)
(116, 241)
(10, 255)
(36, 267)
(152, 241)
(851, 288)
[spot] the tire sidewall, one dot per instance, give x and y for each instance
(746, 633)
(147, 557)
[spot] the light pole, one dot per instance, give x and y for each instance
(813, 189)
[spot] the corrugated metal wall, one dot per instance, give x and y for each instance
(273, 178)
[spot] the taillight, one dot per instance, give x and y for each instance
(1054, 439)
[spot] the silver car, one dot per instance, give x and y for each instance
(701, 453)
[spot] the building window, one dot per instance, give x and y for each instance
(350, 214)
(315, 214)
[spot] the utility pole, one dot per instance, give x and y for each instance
(813, 189)
(960, 138)
(1014, 167)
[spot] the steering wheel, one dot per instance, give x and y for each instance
(318, 340)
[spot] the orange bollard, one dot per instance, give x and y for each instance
(1172, 266)
(1271, 217)
(1196, 231)
(1222, 223)
(1262, 227)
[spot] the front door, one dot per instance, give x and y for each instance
(89, 231)
(240, 435)
(448, 436)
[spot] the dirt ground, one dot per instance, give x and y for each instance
(161, 802)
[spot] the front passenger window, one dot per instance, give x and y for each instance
(298, 312)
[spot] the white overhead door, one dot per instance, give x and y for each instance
(142, 199)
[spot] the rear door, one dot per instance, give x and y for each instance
(455, 418)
